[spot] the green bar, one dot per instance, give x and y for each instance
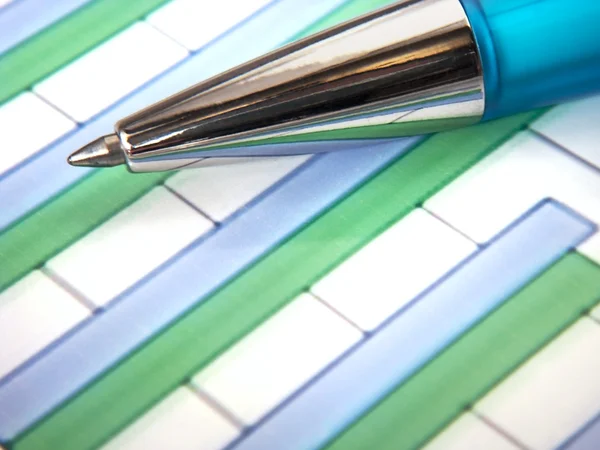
(468, 369)
(28, 243)
(64, 219)
(171, 357)
(53, 47)
(345, 12)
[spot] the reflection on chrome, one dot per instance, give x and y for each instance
(409, 68)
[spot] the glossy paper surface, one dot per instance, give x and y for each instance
(357, 299)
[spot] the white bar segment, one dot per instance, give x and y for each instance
(575, 126)
(129, 245)
(469, 433)
(277, 358)
(34, 312)
(498, 190)
(182, 421)
(102, 76)
(18, 118)
(553, 394)
(194, 24)
(219, 191)
(393, 269)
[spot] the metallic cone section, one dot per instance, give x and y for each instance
(103, 152)
(409, 68)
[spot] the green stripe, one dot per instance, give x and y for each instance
(347, 11)
(157, 368)
(468, 369)
(28, 243)
(63, 220)
(53, 47)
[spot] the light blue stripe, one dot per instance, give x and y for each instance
(370, 371)
(61, 372)
(25, 18)
(588, 438)
(46, 174)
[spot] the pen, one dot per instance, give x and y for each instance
(409, 68)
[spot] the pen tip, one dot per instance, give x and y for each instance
(103, 152)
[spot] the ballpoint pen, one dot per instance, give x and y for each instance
(412, 67)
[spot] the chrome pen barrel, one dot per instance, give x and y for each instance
(409, 68)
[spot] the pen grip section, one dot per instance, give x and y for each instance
(536, 52)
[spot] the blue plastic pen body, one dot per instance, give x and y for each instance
(536, 52)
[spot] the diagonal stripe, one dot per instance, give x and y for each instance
(72, 36)
(97, 197)
(442, 389)
(482, 202)
(45, 232)
(586, 439)
(353, 8)
(235, 245)
(117, 398)
(446, 310)
(25, 18)
(48, 166)
(553, 394)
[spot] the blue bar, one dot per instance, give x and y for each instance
(60, 372)
(24, 18)
(46, 174)
(588, 438)
(410, 338)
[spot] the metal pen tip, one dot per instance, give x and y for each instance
(103, 152)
